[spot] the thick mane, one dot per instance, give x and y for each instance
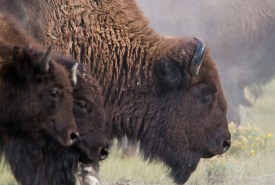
(158, 90)
(120, 44)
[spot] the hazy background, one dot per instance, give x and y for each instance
(241, 35)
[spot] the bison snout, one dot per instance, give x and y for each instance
(226, 145)
(103, 153)
(74, 136)
(71, 138)
(68, 138)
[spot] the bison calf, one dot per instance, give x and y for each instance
(161, 91)
(58, 165)
(35, 92)
(35, 157)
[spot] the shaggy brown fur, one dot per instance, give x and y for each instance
(32, 100)
(51, 164)
(150, 94)
(33, 156)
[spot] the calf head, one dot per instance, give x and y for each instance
(93, 142)
(189, 109)
(43, 158)
(36, 96)
(91, 120)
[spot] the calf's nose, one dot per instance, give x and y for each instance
(74, 136)
(103, 153)
(71, 137)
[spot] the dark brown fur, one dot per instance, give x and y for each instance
(27, 100)
(240, 34)
(34, 157)
(56, 165)
(150, 95)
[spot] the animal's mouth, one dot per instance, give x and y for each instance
(207, 154)
(219, 148)
(85, 158)
(90, 153)
(89, 158)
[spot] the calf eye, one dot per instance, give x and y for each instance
(54, 92)
(83, 105)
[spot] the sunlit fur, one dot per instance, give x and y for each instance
(169, 114)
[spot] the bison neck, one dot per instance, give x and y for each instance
(116, 44)
(112, 40)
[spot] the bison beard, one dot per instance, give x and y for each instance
(151, 93)
(41, 162)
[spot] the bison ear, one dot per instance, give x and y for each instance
(22, 66)
(169, 74)
(21, 61)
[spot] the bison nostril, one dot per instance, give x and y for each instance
(226, 145)
(74, 136)
(104, 153)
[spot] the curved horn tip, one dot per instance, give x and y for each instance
(46, 60)
(74, 76)
(196, 61)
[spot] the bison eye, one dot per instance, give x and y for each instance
(54, 92)
(207, 95)
(83, 105)
(206, 99)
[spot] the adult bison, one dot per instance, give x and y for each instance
(240, 33)
(160, 91)
(34, 157)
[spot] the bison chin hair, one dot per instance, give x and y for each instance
(180, 163)
(182, 168)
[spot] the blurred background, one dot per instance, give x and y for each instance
(241, 36)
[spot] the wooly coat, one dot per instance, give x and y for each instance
(36, 95)
(161, 91)
(36, 158)
(43, 162)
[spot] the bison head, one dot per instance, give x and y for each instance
(93, 142)
(37, 96)
(90, 118)
(187, 111)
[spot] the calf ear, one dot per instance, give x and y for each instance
(169, 74)
(25, 65)
(22, 66)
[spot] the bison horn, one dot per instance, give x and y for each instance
(44, 67)
(196, 61)
(74, 76)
